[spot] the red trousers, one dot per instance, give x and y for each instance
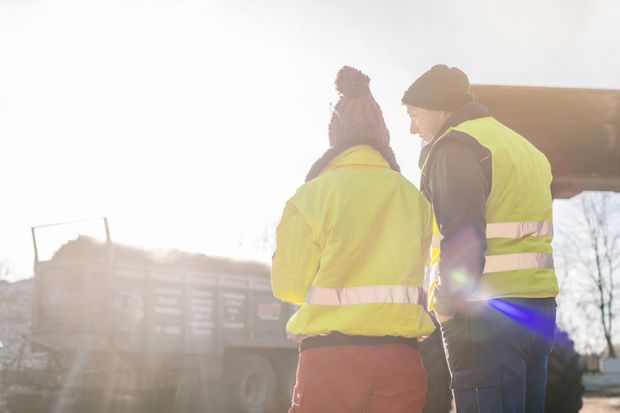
(377, 378)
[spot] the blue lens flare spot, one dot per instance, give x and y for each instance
(530, 318)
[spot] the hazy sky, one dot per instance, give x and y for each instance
(189, 123)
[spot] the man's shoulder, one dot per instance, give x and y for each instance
(453, 144)
(459, 154)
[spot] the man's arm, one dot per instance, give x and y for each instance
(459, 191)
(297, 257)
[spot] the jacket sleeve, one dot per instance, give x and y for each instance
(459, 191)
(296, 259)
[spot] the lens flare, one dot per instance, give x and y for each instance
(530, 318)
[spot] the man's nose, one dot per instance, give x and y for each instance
(413, 129)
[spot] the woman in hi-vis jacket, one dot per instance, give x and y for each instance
(351, 248)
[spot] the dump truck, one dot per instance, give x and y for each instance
(129, 330)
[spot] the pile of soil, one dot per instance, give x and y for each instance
(87, 248)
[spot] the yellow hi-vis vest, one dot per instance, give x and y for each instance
(355, 265)
(519, 260)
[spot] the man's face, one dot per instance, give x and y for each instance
(426, 122)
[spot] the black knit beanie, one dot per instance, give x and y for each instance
(440, 88)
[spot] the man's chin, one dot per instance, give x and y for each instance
(424, 140)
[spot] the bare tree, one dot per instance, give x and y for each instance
(6, 268)
(262, 244)
(590, 251)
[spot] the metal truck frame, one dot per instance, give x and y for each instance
(126, 330)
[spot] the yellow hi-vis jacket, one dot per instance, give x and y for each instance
(351, 249)
(519, 231)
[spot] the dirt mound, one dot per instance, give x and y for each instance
(86, 248)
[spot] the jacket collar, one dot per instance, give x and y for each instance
(343, 154)
(470, 111)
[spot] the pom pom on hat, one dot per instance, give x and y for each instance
(351, 82)
(356, 115)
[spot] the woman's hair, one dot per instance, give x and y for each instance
(356, 115)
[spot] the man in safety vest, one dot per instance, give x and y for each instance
(350, 250)
(493, 284)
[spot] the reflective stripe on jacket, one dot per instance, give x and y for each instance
(519, 231)
(351, 249)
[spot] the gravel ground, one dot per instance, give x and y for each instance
(605, 401)
(599, 402)
(602, 393)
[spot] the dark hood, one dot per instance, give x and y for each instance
(385, 151)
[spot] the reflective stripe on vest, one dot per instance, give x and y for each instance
(518, 261)
(510, 230)
(511, 262)
(371, 294)
(520, 229)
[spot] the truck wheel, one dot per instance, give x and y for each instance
(250, 384)
(564, 386)
(438, 395)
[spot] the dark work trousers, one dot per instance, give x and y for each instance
(497, 352)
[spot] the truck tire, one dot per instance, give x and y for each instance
(438, 395)
(564, 386)
(249, 385)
